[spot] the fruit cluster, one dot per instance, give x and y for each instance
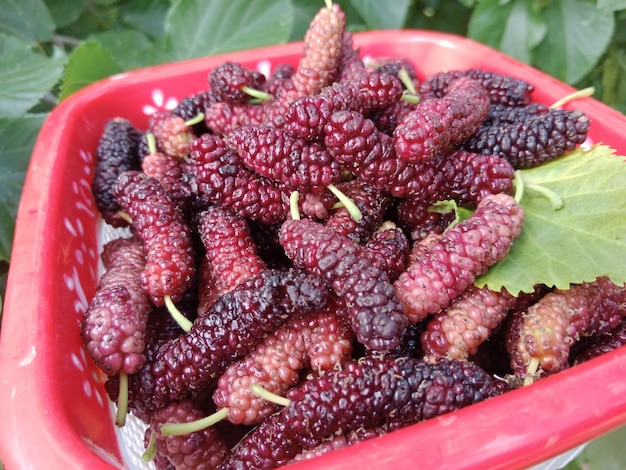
(290, 274)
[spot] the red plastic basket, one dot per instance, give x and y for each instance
(55, 413)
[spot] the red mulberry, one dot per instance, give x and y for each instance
(456, 258)
(551, 326)
(437, 124)
(114, 324)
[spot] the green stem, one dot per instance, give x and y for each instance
(125, 216)
(410, 98)
(258, 94)
(293, 205)
(151, 450)
(348, 203)
(152, 148)
(268, 396)
(531, 371)
(404, 77)
(584, 93)
(177, 315)
(122, 400)
(178, 429)
(195, 120)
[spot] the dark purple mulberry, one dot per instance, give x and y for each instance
(159, 223)
(376, 315)
(229, 81)
(199, 450)
(234, 324)
(277, 155)
(388, 248)
(118, 151)
(533, 141)
(364, 393)
(503, 89)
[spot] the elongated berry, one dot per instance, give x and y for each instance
(558, 320)
(466, 177)
(451, 263)
(533, 141)
(364, 393)
(201, 450)
(277, 155)
(457, 331)
(502, 88)
(230, 253)
(114, 323)
(234, 324)
(321, 56)
(220, 178)
(118, 151)
(159, 223)
(437, 124)
(320, 342)
(376, 315)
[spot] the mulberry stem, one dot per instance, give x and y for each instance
(151, 450)
(178, 429)
(258, 94)
(531, 371)
(176, 314)
(348, 203)
(584, 93)
(122, 401)
(269, 396)
(198, 118)
(293, 205)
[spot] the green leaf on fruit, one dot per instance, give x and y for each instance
(25, 76)
(582, 240)
(87, 64)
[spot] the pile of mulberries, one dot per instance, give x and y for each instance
(288, 282)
